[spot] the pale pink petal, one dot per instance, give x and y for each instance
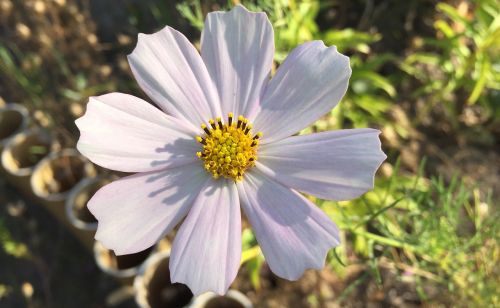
(170, 70)
(293, 233)
(122, 132)
(206, 252)
(134, 212)
(309, 83)
(238, 49)
(334, 165)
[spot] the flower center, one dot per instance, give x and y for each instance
(229, 149)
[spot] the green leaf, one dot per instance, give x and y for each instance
(443, 26)
(253, 267)
(249, 254)
(351, 39)
(453, 14)
(376, 79)
(481, 82)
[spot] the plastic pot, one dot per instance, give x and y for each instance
(125, 267)
(22, 153)
(153, 287)
(52, 180)
(55, 176)
(76, 204)
(13, 119)
(233, 299)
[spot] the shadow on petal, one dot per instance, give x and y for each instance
(182, 150)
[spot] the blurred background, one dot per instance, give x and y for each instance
(425, 72)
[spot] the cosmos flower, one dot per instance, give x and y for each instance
(223, 138)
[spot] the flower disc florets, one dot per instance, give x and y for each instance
(229, 149)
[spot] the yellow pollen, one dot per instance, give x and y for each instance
(229, 149)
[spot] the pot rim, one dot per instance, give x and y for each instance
(203, 299)
(16, 140)
(24, 123)
(118, 273)
(46, 160)
(70, 201)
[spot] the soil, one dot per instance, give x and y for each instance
(30, 152)
(11, 121)
(67, 172)
(223, 302)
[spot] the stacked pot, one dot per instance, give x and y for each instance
(63, 181)
(33, 161)
(154, 289)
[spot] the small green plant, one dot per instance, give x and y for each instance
(428, 228)
(11, 247)
(460, 66)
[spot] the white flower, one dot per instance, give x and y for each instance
(242, 154)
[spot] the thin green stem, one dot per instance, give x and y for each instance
(385, 240)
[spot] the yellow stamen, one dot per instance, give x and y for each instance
(219, 121)
(258, 135)
(228, 151)
(205, 128)
(212, 123)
